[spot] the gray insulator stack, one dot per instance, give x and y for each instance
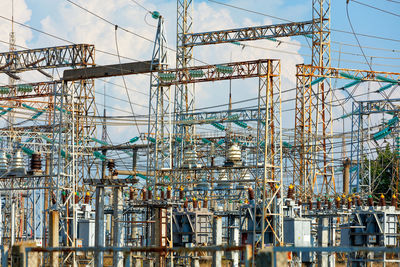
(3, 162)
(17, 164)
(190, 159)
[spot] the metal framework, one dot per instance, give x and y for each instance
(307, 140)
(218, 72)
(249, 33)
(160, 155)
(314, 111)
(267, 154)
(364, 143)
(184, 93)
(79, 55)
(57, 115)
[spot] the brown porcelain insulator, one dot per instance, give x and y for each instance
(329, 205)
(349, 203)
(149, 194)
(53, 198)
(111, 165)
(359, 201)
(205, 203)
(250, 192)
(318, 204)
(290, 192)
(195, 203)
(370, 201)
(337, 201)
(382, 201)
(131, 193)
(393, 202)
(144, 194)
(87, 198)
(77, 198)
(162, 195)
(186, 204)
(310, 204)
(169, 193)
(181, 194)
(36, 163)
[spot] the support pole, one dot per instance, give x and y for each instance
(234, 240)
(346, 176)
(12, 234)
(54, 236)
(118, 237)
(217, 236)
(323, 240)
(99, 226)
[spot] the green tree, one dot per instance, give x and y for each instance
(383, 175)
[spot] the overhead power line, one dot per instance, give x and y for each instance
(286, 20)
(376, 8)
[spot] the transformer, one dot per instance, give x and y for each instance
(192, 227)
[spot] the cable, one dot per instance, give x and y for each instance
(123, 76)
(394, 1)
(306, 55)
(263, 14)
(388, 12)
(141, 6)
(250, 11)
(120, 99)
(370, 36)
(125, 29)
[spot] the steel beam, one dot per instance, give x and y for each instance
(36, 90)
(109, 71)
(45, 58)
(349, 74)
(249, 33)
(218, 72)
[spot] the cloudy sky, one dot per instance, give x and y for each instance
(66, 21)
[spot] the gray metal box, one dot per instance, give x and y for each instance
(86, 232)
(297, 231)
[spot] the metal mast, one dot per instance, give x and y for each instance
(313, 121)
(184, 93)
(159, 155)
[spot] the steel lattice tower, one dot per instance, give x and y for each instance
(313, 121)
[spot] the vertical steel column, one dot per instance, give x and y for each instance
(322, 108)
(159, 156)
(346, 176)
(12, 232)
(118, 233)
(324, 259)
(234, 240)
(271, 134)
(184, 93)
(54, 236)
(317, 104)
(99, 238)
(217, 239)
